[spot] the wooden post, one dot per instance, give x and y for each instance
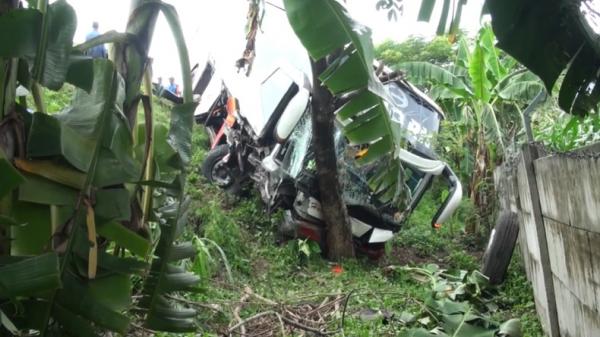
(530, 154)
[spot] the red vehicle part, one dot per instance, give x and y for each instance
(314, 232)
(229, 121)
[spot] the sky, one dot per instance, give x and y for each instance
(216, 28)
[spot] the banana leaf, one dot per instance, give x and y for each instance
(424, 72)
(30, 276)
(164, 277)
(550, 40)
(125, 238)
(62, 23)
(10, 178)
(39, 190)
(25, 26)
(522, 91)
(32, 234)
(79, 298)
(478, 72)
(325, 27)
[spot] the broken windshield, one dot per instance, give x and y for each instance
(410, 112)
(419, 121)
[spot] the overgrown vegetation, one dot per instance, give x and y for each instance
(563, 132)
(383, 297)
(92, 201)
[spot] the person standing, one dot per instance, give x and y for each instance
(98, 51)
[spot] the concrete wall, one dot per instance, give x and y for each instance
(557, 198)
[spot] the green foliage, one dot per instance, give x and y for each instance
(550, 40)
(482, 94)
(365, 115)
(437, 51)
(563, 132)
(82, 226)
(516, 294)
(459, 305)
(281, 271)
(420, 239)
(56, 101)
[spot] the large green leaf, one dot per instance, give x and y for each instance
(463, 54)
(113, 291)
(81, 72)
(125, 238)
(73, 134)
(521, 91)
(79, 297)
(24, 26)
(478, 72)
(62, 24)
(73, 322)
(30, 277)
(423, 72)
(165, 277)
(180, 133)
(492, 62)
(319, 26)
(112, 205)
(324, 27)
(39, 190)
(109, 262)
(49, 137)
(579, 93)
(462, 325)
(32, 234)
(10, 178)
(86, 108)
(549, 39)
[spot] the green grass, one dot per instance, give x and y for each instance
(283, 273)
(55, 101)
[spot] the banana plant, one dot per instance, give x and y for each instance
(484, 94)
(556, 41)
(325, 28)
(77, 198)
(342, 55)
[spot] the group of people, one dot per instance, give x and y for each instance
(100, 51)
(172, 87)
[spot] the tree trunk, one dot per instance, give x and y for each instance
(338, 231)
(478, 178)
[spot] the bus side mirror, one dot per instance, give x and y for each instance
(452, 200)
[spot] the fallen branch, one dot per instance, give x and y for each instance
(236, 315)
(281, 319)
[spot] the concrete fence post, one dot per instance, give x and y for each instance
(529, 155)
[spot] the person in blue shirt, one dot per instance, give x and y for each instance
(98, 51)
(172, 86)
